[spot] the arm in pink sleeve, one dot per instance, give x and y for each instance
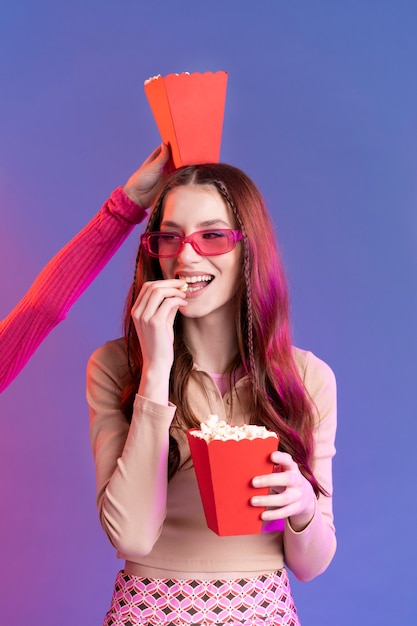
(131, 461)
(309, 552)
(62, 281)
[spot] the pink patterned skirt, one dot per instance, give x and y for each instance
(259, 601)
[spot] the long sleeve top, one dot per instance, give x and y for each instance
(158, 527)
(62, 281)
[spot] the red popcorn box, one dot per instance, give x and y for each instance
(224, 471)
(188, 110)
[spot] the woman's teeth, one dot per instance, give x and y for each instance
(194, 283)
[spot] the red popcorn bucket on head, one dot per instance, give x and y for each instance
(189, 110)
(224, 471)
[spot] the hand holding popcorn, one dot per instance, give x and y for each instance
(290, 493)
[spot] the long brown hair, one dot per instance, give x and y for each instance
(279, 399)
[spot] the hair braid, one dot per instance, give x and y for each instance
(246, 266)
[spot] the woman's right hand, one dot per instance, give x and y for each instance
(153, 315)
(144, 184)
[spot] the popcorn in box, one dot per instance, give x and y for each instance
(226, 458)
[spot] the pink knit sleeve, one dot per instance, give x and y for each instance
(62, 281)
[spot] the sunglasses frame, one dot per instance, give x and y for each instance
(233, 236)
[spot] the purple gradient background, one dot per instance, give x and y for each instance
(322, 113)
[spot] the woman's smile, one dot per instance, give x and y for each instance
(194, 283)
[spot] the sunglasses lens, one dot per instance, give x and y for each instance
(164, 244)
(214, 242)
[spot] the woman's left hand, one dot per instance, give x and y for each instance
(291, 494)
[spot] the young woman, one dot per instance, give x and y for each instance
(207, 332)
(71, 271)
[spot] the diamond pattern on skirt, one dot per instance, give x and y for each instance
(259, 601)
